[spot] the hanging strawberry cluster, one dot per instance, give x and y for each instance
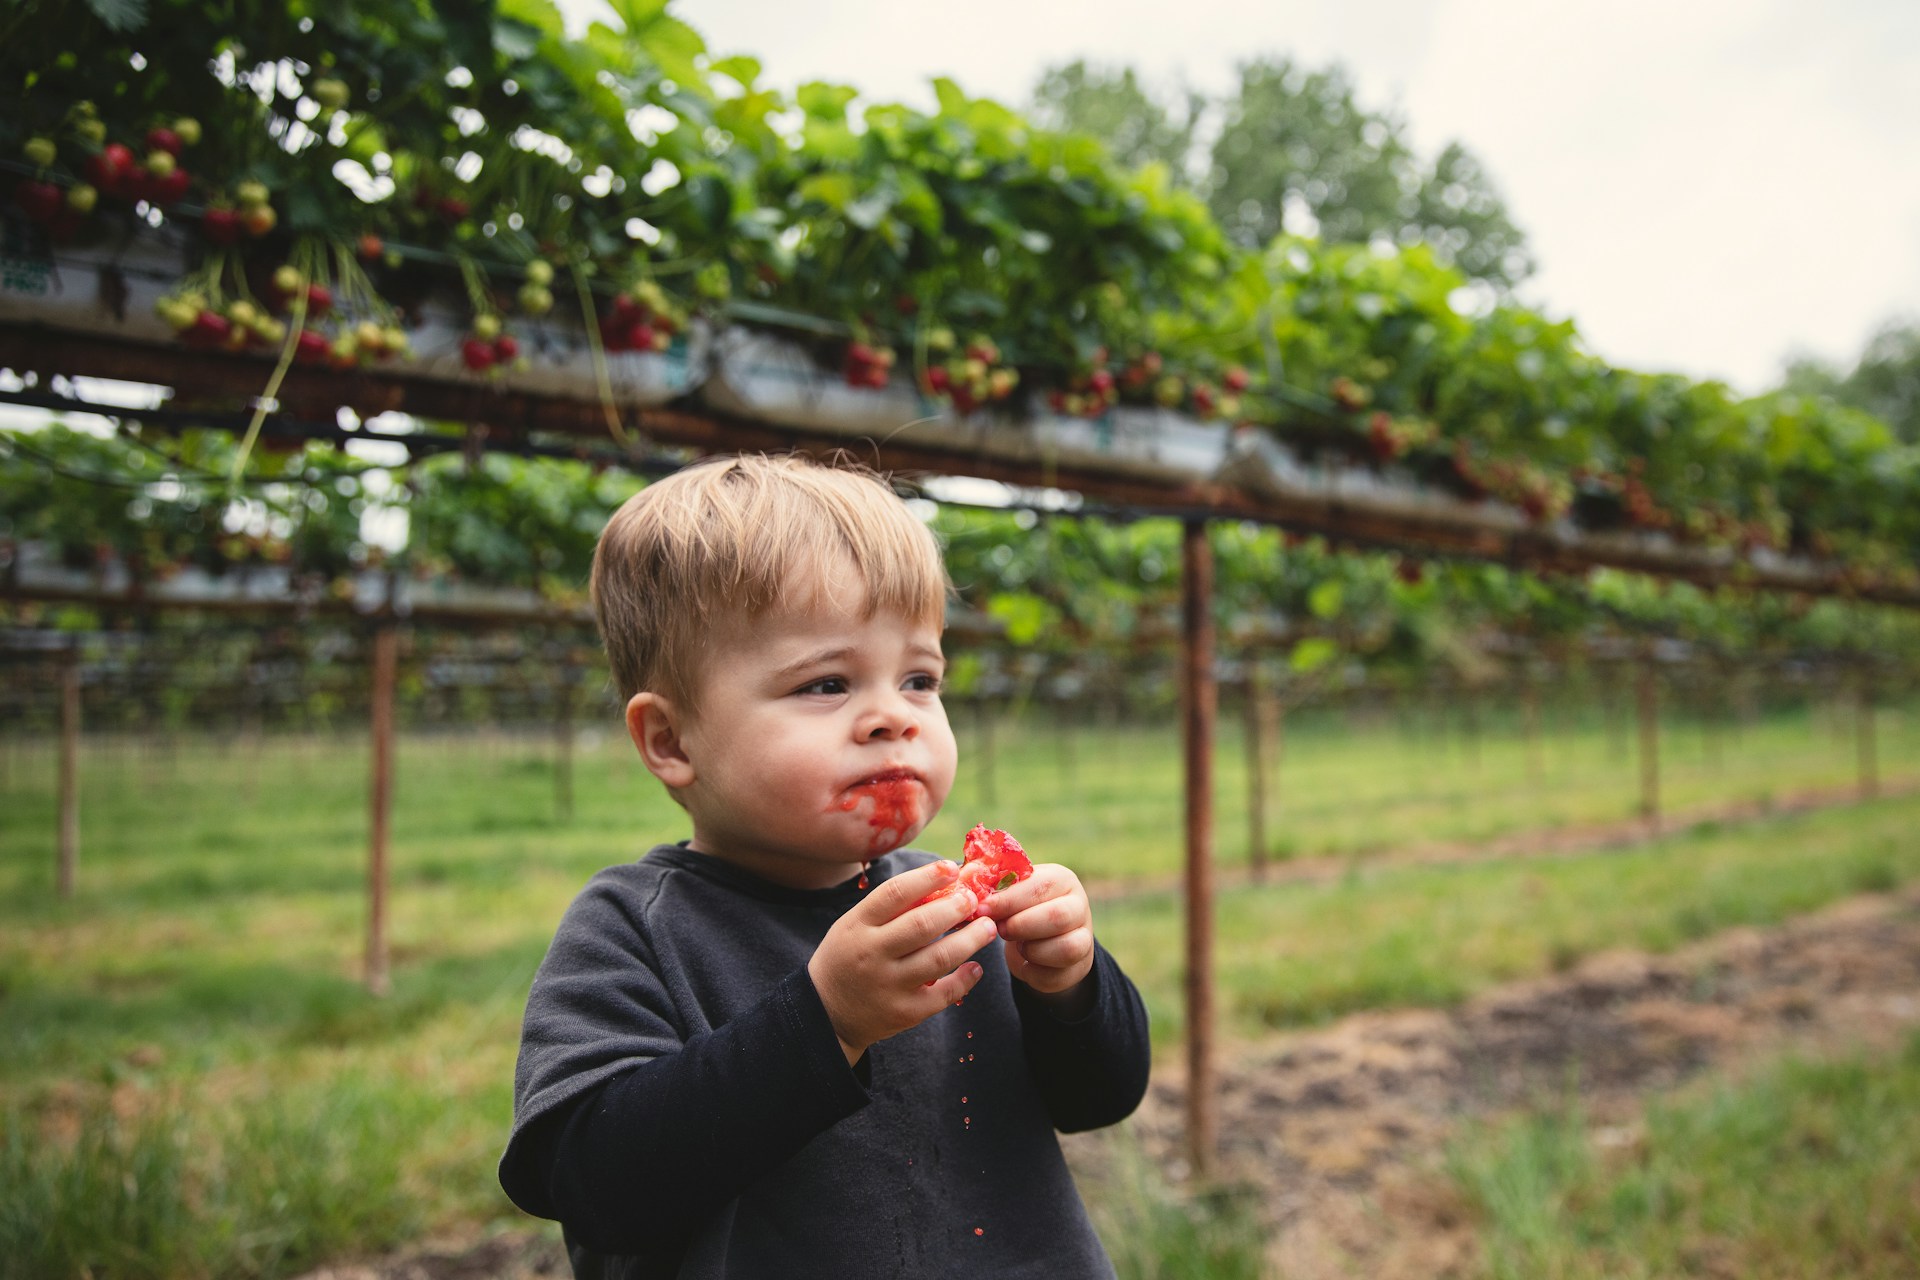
(642, 318)
(969, 376)
(58, 200)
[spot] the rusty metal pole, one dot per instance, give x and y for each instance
(66, 871)
(1256, 744)
(1869, 755)
(1649, 742)
(386, 644)
(1199, 704)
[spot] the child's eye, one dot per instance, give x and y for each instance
(826, 685)
(923, 682)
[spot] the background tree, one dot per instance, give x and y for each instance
(1301, 136)
(1884, 382)
(1113, 106)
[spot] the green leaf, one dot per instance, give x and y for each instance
(825, 101)
(1026, 616)
(834, 190)
(1326, 598)
(1312, 653)
(515, 41)
(120, 15)
(740, 69)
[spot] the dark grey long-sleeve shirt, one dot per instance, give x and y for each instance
(683, 1108)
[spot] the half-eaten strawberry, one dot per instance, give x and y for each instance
(991, 861)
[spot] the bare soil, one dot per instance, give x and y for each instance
(1340, 1132)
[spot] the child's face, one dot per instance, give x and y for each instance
(820, 741)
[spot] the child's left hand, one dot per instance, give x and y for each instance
(1048, 926)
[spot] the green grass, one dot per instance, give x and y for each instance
(1805, 1170)
(202, 985)
(1386, 935)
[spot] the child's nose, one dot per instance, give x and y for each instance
(891, 716)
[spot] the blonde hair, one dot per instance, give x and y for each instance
(735, 538)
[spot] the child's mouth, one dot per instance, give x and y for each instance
(885, 776)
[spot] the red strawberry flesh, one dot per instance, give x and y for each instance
(993, 860)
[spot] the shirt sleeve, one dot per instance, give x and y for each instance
(1092, 1070)
(629, 1134)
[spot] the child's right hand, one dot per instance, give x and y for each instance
(887, 965)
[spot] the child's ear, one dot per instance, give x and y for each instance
(654, 725)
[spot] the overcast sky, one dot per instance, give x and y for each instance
(1708, 184)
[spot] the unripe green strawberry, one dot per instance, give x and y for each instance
(82, 197)
(539, 272)
(40, 152)
(486, 327)
(187, 129)
(330, 93)
(535, 300)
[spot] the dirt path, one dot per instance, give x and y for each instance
(1340, 1130)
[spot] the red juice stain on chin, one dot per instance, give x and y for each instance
(895, 812)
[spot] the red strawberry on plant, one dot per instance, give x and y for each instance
(505, 348)
(453, 208)
(111, 169)
(370, 247)
(210, 329)
(171, 189)
(1381, 437)
(1236, 378)
(319, 299)
(161, 138)
(259, 220)
(311, 347)
(220, 225)
(477, 354)
(40, 201)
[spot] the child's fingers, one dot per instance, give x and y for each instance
(898, 894)
(943, 954)
(919, 925)
(1062, 952)
(1045, 884)
(952, 988)
(1045, 920)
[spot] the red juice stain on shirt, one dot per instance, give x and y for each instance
(979, 1231)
